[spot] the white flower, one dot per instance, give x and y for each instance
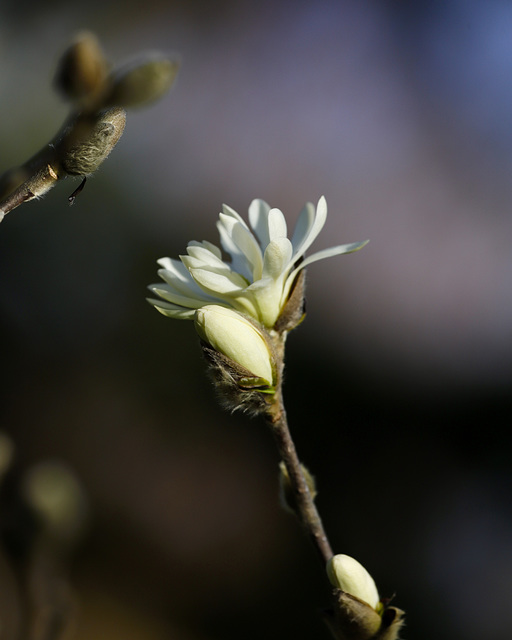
(350, 576)
(262, 266)
(232, 335)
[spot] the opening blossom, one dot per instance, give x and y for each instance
(258, 275)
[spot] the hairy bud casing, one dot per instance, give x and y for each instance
(353, 619)
(89, 141)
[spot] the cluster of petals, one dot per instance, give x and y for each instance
(261, 266)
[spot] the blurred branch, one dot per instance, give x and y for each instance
(43, 513)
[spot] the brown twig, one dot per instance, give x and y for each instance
(306, 508)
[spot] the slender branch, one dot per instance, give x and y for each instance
(307, 511)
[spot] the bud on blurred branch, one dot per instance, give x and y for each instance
(43, 513)
(82, 72)
(96, 121)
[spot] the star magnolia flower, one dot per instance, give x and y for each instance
(262, 266)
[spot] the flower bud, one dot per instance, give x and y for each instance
(350, 576)
(82, 70)
(231, 334)
(142, 81)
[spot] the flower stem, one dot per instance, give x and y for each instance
(306, 508)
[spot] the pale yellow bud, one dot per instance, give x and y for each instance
(350, 576)
(231, 334)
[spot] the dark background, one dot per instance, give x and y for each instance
(398, 383)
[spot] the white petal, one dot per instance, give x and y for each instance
(218, 283)
(277, 258)
(327, 253)
(267, 294)
(174, 267)
(166, 263)
(207, 245)
(250, 248)
(231, 213)
(205, 256)
(239, 261)
(314, 229)
(178, 277)
(303, 225)
(215, 266)
(258, 217)
(172, 311)
(276, 225)
(240, 238)
(245, 302)
(190, 289)
(169, 294)
(334, 251)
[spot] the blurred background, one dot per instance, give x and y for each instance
(399, 382)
